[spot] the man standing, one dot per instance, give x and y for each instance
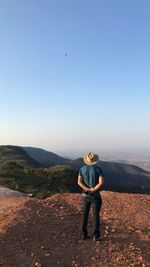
(90, 179)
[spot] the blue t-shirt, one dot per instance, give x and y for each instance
(90, 175)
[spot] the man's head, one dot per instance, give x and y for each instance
(91, 158)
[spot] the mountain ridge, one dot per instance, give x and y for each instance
(44, 157)
(9, 153)
(118, 177)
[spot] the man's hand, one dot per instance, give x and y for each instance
(98, 186)
(91, 190)
(88, 190)
(82, 185)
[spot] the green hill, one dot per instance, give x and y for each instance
(10, 155)
(47, 173)
(45, 158)
(121, 177)
(19, 171)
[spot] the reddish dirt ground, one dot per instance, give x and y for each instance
(46, 233)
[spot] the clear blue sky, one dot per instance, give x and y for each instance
(95, 97)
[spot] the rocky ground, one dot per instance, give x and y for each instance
(45, 233)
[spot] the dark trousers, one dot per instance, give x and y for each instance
(96, 204)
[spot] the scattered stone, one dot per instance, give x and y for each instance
(47, 254)
(38, 264)
(54, 236)
(30, 194)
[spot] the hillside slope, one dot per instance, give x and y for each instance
(45, 158)
(16, 154)
(46, 233)
(120, 176)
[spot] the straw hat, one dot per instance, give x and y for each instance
(91, 158)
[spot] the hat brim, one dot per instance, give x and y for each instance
(90, 162)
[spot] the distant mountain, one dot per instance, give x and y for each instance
(118, 176)
(115, 166)
(136, 156)
(16, 154)
(121, 177)
(45, 158)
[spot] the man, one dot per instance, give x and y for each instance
(90, 179)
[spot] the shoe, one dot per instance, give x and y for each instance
(97, 238)
(85, 237)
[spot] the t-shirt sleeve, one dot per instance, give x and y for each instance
(80, 172)
(100, 172)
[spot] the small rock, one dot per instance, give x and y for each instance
(138, 231)
(77, 256)
(38, 264)
(47, 254)
(30, 195)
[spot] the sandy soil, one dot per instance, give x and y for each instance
(46, 233)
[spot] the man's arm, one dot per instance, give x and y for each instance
(99, 185)
(82, 185)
